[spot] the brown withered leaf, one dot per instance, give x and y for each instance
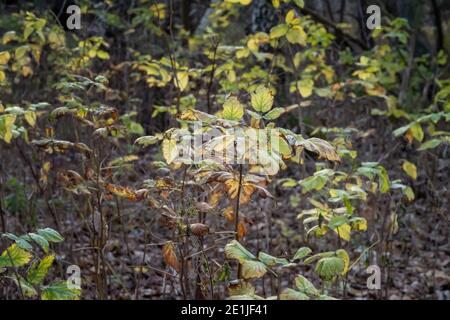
(241, 230)
(100, 227)
(199, 229)
(203, 207)
(240, 287)
(60, 146)
(72, 181)
(320, 147)
(215, 196)
(228, 213)
(170, 257)
(141, 194)
(247, 190)
(122, 192)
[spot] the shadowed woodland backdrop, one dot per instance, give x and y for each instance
(91, 123)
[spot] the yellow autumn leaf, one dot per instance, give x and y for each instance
(6, 125)
(253, 269)
(262, 99)
(305, 87)
(278, 31)
(169, 150)
(4, 57)
(182, 80)
(290, 16)
(8, 36)
(243, 2)
(343, 231)
(296, 34)
(30, 117)
(26, 71)
(341, 253)
(417, 132)
(232, 109)
(410, 169)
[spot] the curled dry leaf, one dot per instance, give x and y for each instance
(228, 213)
(72, 181)
(320, 147)
(124, 192)
(170, 258)
(241, 230)
(60, 146)
(203, 207)
(199, 229)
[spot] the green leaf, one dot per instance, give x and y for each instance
(341, 253)
(301, 253)
(262, 99)
(296, 34)
(6, 126)
(40, 240)
(50, 235)
(417, 131)
(325, 297)
(232, 109)
(252, 269)
(279, 144)
(430, 144)
(22, 243)
(20, 51)
(383, 180)
(291, 294)
(270, 261)
(39, 271)
(14, 257)
(27, 32)
(60, 291)
(234, 250)
(330, 267)
(147, 140)
(9, 36)
(299, 3)
(26, 287)
(305, 286)
(318, 256)
(316, 182)
(409, 193)
(274, 114)
(278, 31)
(254, 114)
(289, 183)
(102, 55)
(305, 87)
(337, 221)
